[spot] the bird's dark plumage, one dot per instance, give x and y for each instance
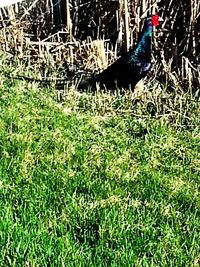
(131, 67)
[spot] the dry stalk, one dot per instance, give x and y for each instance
(120, 21)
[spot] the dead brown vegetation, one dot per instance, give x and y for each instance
(88, 35)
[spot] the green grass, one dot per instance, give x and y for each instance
(87, 183)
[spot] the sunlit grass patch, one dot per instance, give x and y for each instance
(96, 177)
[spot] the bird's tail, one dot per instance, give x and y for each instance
(88, 83)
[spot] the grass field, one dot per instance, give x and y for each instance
(97, 180)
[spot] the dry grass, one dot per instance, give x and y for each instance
(91, 34)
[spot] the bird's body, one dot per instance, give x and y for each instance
(131, 67)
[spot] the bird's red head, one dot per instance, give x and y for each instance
(155, 20)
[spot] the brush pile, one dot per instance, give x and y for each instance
(78, 37)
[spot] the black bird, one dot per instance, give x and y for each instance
(131, 67)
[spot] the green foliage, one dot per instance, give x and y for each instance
(88, 183)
